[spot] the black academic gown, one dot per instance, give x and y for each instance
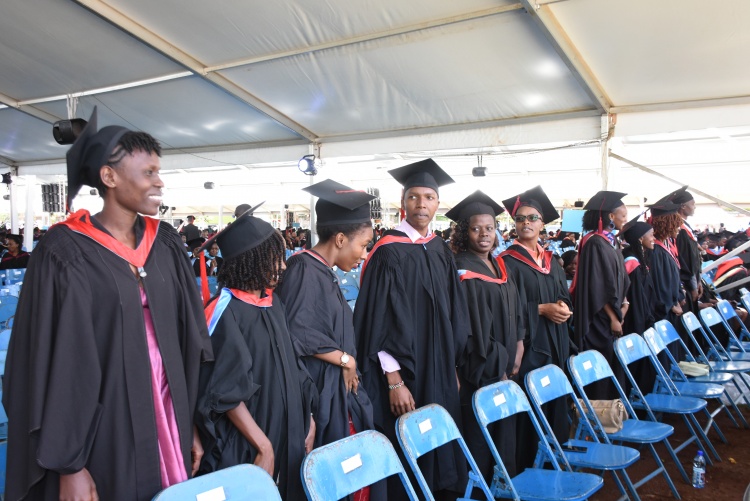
(255, 364)
(545, 342)
(689, 255)
(601, 280)
(77, 386)
(496, 325)
(667, 291)
(640, 316)
(411, 306)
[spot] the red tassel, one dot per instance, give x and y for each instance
(205, 293)
(516, 206)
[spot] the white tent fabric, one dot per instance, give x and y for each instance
(242, 89)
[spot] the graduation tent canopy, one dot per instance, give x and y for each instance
(238, 91)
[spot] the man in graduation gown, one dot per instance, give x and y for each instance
(544, 297)
(102, 372)
(411, 323)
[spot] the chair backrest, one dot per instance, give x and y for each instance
(589, 367)
(745, 298)
(656, 344)
(693, 325)
(669, 335)
(726, 310)
(424, 430)
(4, 339)
(711, 318)
(340, 468)
(631, 348)
(241, 482)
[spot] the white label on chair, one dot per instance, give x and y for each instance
(545, 381)
(212, 495)
(587, 365)
(352, 463)
(425, 426)
(499, 399)
(629, 343)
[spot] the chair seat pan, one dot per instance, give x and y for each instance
(642, 432)
(730, 366)
(601, 456)
(745, 345)
(699, 390)
(739, 356)
(537, 485)
(674, 404)
(712, 377)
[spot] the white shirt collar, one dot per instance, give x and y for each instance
(413, 234)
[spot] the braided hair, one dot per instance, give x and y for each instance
(129, 143)
(255, 269)
(460, 237)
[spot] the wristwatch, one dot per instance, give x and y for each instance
(344, 359)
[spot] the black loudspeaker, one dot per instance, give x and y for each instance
(578, 204)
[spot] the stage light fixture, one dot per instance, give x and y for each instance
(307, 166)
(209, 185)
(66, 131)
(479, 171)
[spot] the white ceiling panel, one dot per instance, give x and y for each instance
(183, 113)
(486, 69)
(218, 32)
(646, 52)
(24, 138)
(54, 47)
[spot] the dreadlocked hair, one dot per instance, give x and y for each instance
(460, 237)
(590, 221)
(254, 269)
(129, 143)
(636, 247)
(666, 226)
(327, 232)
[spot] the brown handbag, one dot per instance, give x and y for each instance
(611, 413)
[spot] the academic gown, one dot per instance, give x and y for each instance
(411, 306)
(601, 280)
(545, 342)
(689, 255)
(665, 274)
(640, 316)
(255, 364)
(77, 386)
(497, 325)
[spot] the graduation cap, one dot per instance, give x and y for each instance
(536, 198)
(605, 201)
(245, 233)
(89, 154)
(426, 173)
(634, 229)
(474, 204)
(339, 204)
(681, 196)
(664, 208)
(196, 242)
(726, 234)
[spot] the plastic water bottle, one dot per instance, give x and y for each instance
(699, 471)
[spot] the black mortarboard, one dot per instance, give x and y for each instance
(245, 233)
(536, 198)
(339, 204)
(634, 229)
(196, 242)
(605, 201)
(663, 208)
(89, 154)
(241, 209)
(726, 234)
(476, 203)
(681, 196)
(713, 237)
(426, 173)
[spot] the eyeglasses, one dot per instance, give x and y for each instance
(531, 218)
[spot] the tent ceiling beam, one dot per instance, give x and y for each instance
(469, 16)
(679, 105)
(680, 183)
(29, 110)
(557, 37)
(150, 38)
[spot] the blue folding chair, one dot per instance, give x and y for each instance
(424, 430)
(667, 385)
(502, 400)
(726, 351)
(3, 445)
(343, 467)
(726, 310)
(745, 298)
(664, 330)
(3, 420)
(549, 383)
(589, 367)
(632, 348)
(240, 483)
(7, 310)
(4, 339)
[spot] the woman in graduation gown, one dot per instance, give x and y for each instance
(256, 400)
(640, 239)
(544, 298)
(600, 284)
(665, 267)
(495, 347)
(321, 321)
(101, 378)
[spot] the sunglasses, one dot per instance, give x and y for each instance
(531, 218)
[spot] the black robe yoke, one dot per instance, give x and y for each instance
(545, 343)
(689, 255)
(255, 364)
(497, 325)
(77, 384)
(411, 306)
(321, 321)
(666, 279)
(601, 280)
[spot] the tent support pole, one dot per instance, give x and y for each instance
(28, 232)
(694, 190)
